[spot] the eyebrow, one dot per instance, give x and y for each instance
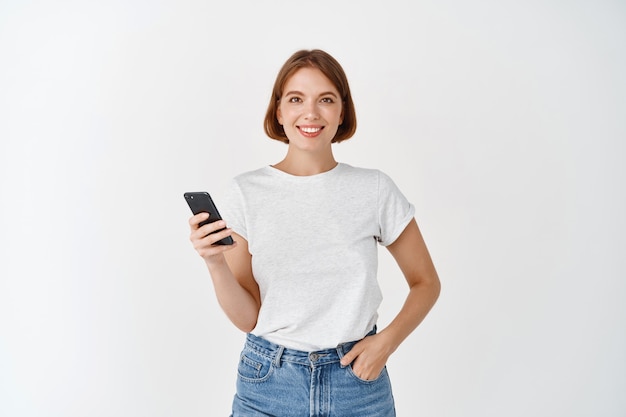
(299, 93)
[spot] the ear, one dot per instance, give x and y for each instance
(279, 116)
(343, 106)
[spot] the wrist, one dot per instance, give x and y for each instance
(215, 261)
(391, 339)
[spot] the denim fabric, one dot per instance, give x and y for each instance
(279, 382)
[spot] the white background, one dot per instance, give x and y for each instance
(503, 121)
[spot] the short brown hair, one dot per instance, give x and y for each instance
(314, 58)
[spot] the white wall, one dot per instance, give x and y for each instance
(504, 122)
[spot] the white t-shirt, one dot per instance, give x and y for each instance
(313, 241)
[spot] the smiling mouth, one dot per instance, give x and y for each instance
(310, 131)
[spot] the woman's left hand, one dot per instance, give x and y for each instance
(368, 357)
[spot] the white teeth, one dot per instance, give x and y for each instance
(310, 129)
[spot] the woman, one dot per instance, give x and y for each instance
(301, 277)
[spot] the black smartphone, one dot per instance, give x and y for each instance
(201, 202)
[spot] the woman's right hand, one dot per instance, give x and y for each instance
(203, 238)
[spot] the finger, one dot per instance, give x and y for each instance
(207, 229)
(346, 360)
(210, 234)
(216, 237)
(211, 227)
(349, 357)
(212, 250)
(195, 220)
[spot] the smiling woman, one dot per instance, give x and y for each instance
(310, 112)
(332, 75)
(301, 277)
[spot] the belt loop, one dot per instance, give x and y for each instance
(340, 352)
(279, 354)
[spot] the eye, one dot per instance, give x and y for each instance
(327, 100)
(295, 99)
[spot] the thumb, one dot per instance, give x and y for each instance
(350, 356)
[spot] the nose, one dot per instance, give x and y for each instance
(311, 112)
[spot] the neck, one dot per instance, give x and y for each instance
(306, 164)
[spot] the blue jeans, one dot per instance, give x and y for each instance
(279, 382)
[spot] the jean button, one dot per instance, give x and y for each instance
(313, 357)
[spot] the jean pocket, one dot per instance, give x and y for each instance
(381, 375)
(253, 366)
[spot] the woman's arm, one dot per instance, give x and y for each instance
(230, 267)
(411, 254)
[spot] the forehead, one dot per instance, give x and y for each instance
(309, 80)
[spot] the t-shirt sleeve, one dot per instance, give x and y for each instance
(394, 210)
(233, 209)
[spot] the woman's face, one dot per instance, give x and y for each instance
(310, 110)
